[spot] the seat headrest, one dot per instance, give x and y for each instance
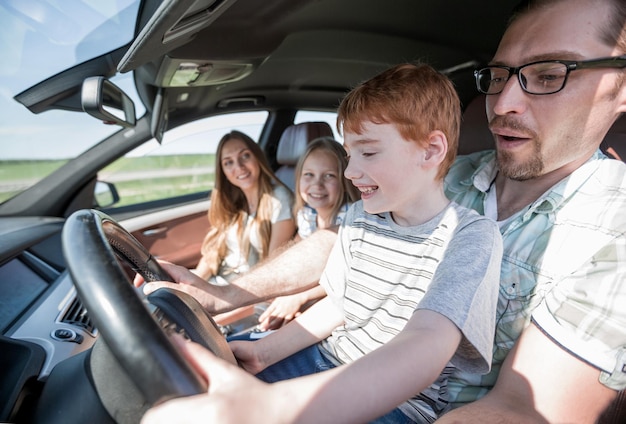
(614, 144)
(475, 135)
(296, 137)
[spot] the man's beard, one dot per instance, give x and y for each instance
(527, 170)
(530, 168)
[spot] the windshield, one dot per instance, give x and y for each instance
(38, 39)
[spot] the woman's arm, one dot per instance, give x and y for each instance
(282, 232)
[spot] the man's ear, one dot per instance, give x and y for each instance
(436, 148)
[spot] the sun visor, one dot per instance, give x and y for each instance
(173, 24)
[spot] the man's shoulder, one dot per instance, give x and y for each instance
(465, 167)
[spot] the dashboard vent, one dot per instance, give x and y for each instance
(77, 315)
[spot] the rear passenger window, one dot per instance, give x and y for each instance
(316, 116)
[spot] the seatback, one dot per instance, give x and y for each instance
(292, 145)
(614, 144)
(475, 135)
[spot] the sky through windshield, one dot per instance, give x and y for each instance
(38, 39)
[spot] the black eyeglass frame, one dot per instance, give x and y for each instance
(570, 65)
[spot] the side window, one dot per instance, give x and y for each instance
(316, 116)
(180, 169)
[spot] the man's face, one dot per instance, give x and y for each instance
(536, 135)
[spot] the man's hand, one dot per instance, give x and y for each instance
(234, 396)
(212, 298)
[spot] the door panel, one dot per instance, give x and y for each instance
(174, 235)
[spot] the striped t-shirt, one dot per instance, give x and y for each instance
(379, 273)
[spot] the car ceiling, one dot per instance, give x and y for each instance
(284, 53)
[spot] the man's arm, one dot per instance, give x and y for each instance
(294, 269)
(539, 383)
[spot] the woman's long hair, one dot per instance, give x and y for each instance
(229, 207)
(348, 193)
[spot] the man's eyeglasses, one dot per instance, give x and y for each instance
(542, 77)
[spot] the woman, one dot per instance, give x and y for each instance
(250, 212)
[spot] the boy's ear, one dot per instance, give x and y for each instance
(437, 148)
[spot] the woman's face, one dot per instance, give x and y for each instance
(320, 182)
(240, 166)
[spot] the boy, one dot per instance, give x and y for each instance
(419, 280)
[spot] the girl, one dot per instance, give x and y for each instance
(322, 198)
(250, 212)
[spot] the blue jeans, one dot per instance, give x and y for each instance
(311, 361)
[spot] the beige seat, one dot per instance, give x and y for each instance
(475, 135)
(292, 145)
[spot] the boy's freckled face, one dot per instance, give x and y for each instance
(383, 166)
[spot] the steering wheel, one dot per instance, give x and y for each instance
(91, 240)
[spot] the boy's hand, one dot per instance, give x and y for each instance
(247, 355)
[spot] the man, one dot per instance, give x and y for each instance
(561, 208)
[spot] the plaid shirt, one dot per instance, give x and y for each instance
(564, 266)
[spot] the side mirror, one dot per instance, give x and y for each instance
(105, 194)
(107, 102)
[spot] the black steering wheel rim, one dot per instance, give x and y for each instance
(136, 340)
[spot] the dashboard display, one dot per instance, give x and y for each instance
(19, 287)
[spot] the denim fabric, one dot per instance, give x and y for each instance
(311, 361)
(394, 417)
(307, 361)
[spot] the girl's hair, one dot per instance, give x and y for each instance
(347, 191)
(230, 207)
(417, 99)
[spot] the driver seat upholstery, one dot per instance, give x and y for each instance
(293, 144)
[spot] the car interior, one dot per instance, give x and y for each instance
(78, 343)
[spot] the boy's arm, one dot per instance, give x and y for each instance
(315, 324)
(294, 269)
(537, 387)
(379, 381)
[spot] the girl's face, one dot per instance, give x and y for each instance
(320, 182)
(240, 166)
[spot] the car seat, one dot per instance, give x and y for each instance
(292, 145)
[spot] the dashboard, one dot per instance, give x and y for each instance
(42, 322)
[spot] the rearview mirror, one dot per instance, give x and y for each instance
(107, 102)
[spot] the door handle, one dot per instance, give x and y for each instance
(154, 231)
